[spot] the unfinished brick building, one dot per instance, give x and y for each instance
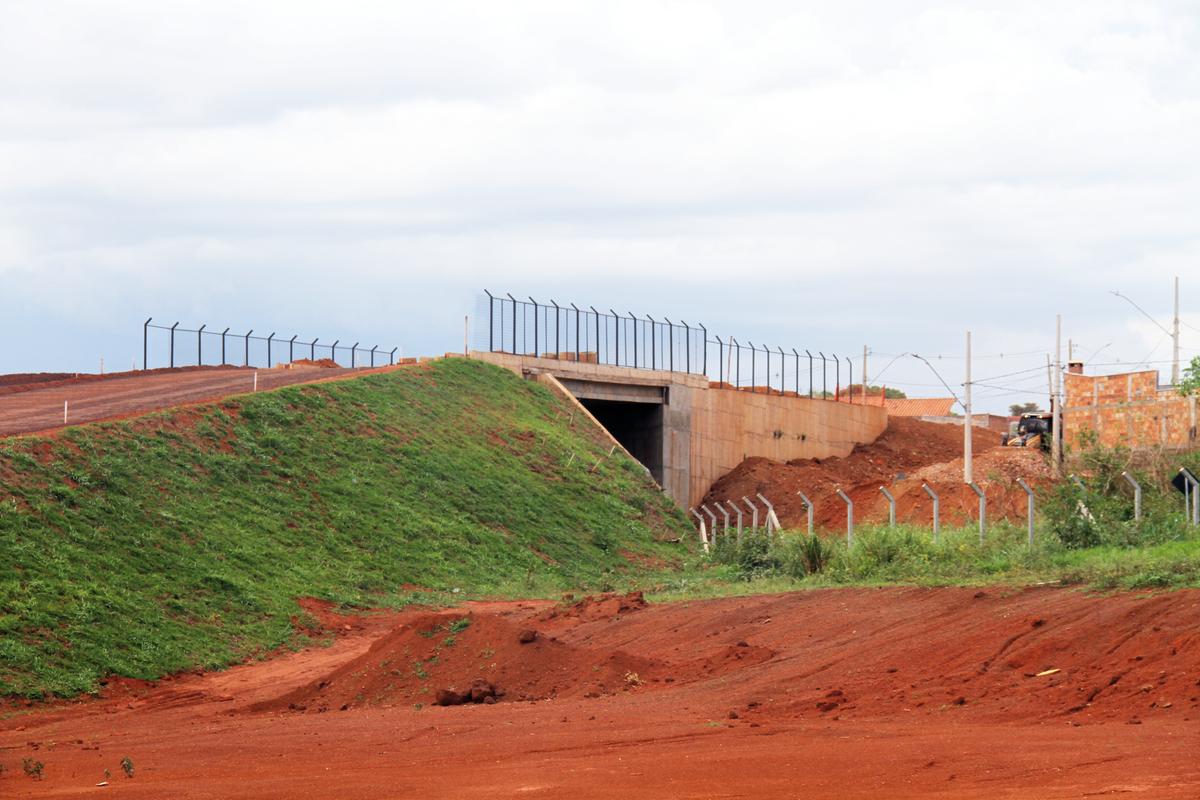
(1129, 409)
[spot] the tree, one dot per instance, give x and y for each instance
(1190, 384)
(873, 391)
(1017, 409)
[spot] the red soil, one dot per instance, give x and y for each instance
(845, 693)
(32, 407)
(910, 452)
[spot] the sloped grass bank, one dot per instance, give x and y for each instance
(183, 538)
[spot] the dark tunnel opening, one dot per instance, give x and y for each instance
(637, 426)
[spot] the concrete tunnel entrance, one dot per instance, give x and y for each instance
(637, 426)
(632, 414)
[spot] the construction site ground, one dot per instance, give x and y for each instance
(840, 693)
(34, 403)
(909, 454)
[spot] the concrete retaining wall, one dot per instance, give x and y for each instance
(708, 431)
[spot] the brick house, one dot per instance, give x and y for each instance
(1128, 408)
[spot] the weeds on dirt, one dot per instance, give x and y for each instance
(127, 766)
(33, 768)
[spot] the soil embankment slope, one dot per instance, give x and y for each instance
(183, 538)
(909, 453)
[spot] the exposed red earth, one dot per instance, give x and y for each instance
(840, 693)
(909, 453)
(34, 403)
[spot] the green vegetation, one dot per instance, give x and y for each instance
(1083, 535)
(908, 555)
(184, 539)
(1190, 381)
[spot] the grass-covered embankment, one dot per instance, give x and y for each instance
(183, 538)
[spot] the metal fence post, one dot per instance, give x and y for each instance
(312, 349)
(354, 355)
(737, 510)
(653, 343)
(596, 314)
(333, 350)
(392, 357)
(936, 502)
(797, 373)
(850, 385)
(557, 315)
(270, 339)
(373, 349)
(670, 345)
(891, 506)
(782, 371)
(753, 360)
(616, 335)
(146, 343)
(536, 347)
(720, 361)
(1137, 495)
(810, 368)
(837, 372)
(982, 509)
(753, 519)
(491, 323)
(223, 333)
(687, 347)
(173, 327)
(809, 506)
(248, 346)
(514, 325)
(1029, 507)
(824, 369)
(200, 346)
(292, 348)
(634, 322)
(849, 515)
(577, 313)
(737, 378)
(704, 348)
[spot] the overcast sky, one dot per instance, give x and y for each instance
(813, 175)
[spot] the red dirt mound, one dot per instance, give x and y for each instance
(437, 655)
(323, 363)
(590, 609)
(908, 453)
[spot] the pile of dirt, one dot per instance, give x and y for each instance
(607, 606)
(452, 659)
(909, 453)
(323, 363)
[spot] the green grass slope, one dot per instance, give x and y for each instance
(183, 539)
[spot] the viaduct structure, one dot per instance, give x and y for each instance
(689, 432)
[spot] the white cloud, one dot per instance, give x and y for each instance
(839, 174)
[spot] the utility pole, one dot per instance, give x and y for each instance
(864, 375)
(968, 476)
(1056, 426)
(1175, 336)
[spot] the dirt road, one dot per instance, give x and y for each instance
(848, 693)
(36, 404)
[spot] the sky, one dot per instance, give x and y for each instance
(829, 176)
